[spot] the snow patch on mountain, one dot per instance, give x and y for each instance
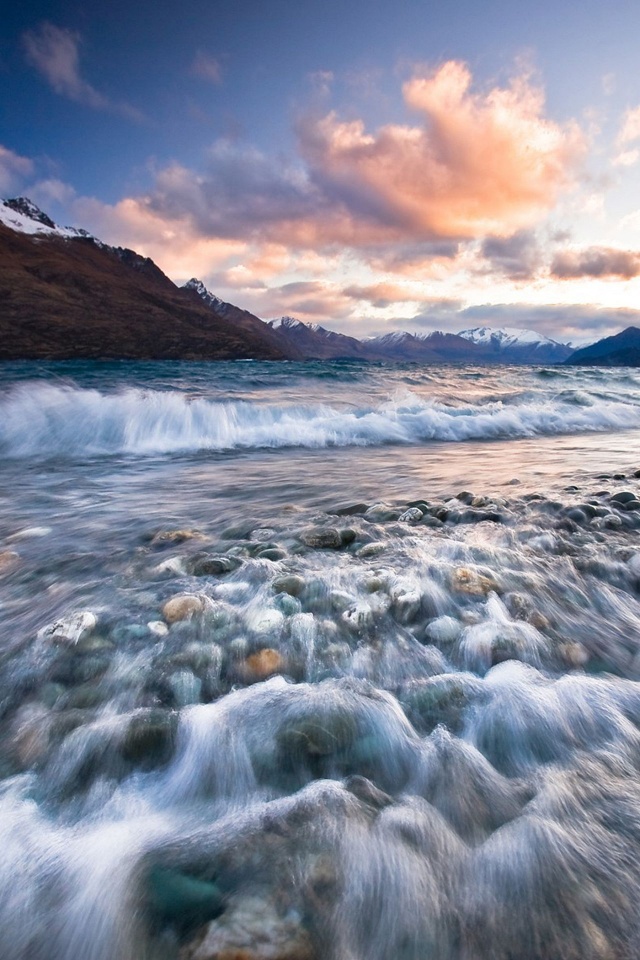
(507, 337)
(204, 293)
(24, 216)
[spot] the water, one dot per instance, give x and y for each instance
(319, 661)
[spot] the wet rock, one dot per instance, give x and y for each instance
(149, 739)
(167, 537)
(184, 606)
(371, 549)
(440, 700)
(351, 510)
(473, 583)
(158, 628)
(68, 631)
(287, 604)
(253, 928)
(272, 553)
(262, 664)
(465, 497)
(216, 566)
(381, 513)
(624, 496)
(412, 515)
(632, 505)
(322, 538)
(172, 566)
(444, 631)
(291, 584)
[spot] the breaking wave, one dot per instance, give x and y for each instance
(42, 420)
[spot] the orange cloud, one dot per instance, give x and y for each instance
(477, 165)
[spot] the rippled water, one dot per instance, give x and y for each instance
(319, 661)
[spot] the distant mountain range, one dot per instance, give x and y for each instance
(64, 294)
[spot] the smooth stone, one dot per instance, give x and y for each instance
(158, 628)
(371, 549)
(465, 497)
(351, 510)
(290, 583)
(444, 630)
(176, 536)
(321, 538)
(288, 605)
(473, 583)
(624, 496)
(272, 553)
(214, 566)
(632, 505)
(69, 630)
(184, 606)
(265, 620)
(262, 664)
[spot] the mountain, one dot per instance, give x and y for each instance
(65, 295)
(434, 347)
(316, 343)
(241, 319)
(513, 345)
(622, 350)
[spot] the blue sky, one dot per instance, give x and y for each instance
(366, 165)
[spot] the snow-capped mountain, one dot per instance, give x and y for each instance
(318, 343)
(513, 344)
(67, 295)
(432, 347)
(22, 215)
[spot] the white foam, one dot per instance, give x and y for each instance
(44, 420)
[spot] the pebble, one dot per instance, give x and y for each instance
(214, 565)
(184, 606)
(69, 630)
(473, 583)
(262, 664)
(176, 536)
(158, 628)
(291, 584)
(321, 538)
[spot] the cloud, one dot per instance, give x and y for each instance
(207, 68)
(382, 294)
(601, 262)
(55, 53)
(14, 170)
(473, 165)
(476, 164)
(630, 129)
(517, 257)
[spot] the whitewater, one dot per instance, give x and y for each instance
(323, 661)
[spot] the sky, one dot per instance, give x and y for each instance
(370, 165)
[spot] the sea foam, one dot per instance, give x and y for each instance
(44, 420)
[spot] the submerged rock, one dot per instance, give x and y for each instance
(253, 928)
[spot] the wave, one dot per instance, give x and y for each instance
(44, 420)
